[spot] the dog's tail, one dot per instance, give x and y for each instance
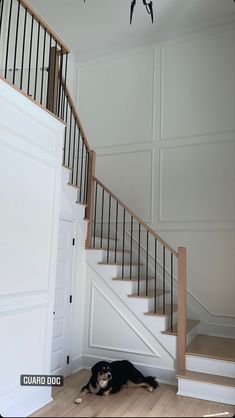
(152, 381)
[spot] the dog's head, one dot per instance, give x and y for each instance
(101, 374)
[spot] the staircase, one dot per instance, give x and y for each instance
(141, 268)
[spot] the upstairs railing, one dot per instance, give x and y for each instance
(76, 152)
(35, 60)
(33, 57)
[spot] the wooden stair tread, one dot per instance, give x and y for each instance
(190, 324)
(132, 279)
(110, 250)
(73, 185)
(151, 294)
(66, 166)
(112, 263)
(84, 205)
(105, 235)
(213, 347)
(208, 378)
(159, 311)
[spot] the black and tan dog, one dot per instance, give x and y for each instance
(109, 378)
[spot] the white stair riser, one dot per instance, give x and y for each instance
(211, 366)
(125, 270)
(207, 391)
(97, 243)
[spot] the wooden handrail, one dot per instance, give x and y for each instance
(172, 251)
(75, 114)
(44, 25)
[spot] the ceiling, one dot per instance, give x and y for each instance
(99, 27)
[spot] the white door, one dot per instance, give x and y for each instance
(62, 306)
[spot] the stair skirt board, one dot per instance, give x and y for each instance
(210, 365)
(207, 391)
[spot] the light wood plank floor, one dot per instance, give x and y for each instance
(132, 402)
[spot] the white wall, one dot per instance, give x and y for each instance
(30, 172)
(71, 211)
(162, 122)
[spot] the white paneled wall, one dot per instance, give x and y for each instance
(30, 171)
(162, 121)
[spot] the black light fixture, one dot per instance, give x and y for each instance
(148, 5)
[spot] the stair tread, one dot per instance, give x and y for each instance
(190, 324)
(82, 204)
(110, 250)
(159, 311)
(206, 377)
(112, 235)
(111, 263)
(213, 347)
(66, 166)
(73, 185)
(151, 294)
(132, 279)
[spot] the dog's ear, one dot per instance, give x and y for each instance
(94, 373)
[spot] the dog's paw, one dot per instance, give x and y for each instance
(124, 387)
(78, 401)
(150, 389)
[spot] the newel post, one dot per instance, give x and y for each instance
(182, 306)
(53, 76)
(90, 197)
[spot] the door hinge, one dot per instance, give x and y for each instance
(67, 359)
(74, 242)
(71, 299)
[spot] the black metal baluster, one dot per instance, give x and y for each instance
(164, 279)
(81, 176)
(30, 54)
(65, 76)
(1, 17)
(172, 296)
(54, 80)
(36, 73)
(87, 173)
(70, 133)
(65, 132)
(85, 176)
(102, 219)
(16, 43)
(8, 38)
(23, 48)
(123, 242)
(109, 227)
(79, 138)
(60, 80)
(74, 149)
(147, 262)
(115, 257)
(43, 65)
(139, 259)
(48, 78)
(94, 232)
(155, 277)
(131, 247)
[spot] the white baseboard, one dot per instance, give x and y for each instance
(163, 376)
(76, 365)
(13, 407)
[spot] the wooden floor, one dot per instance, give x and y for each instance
(129, 403)
(214, 347)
